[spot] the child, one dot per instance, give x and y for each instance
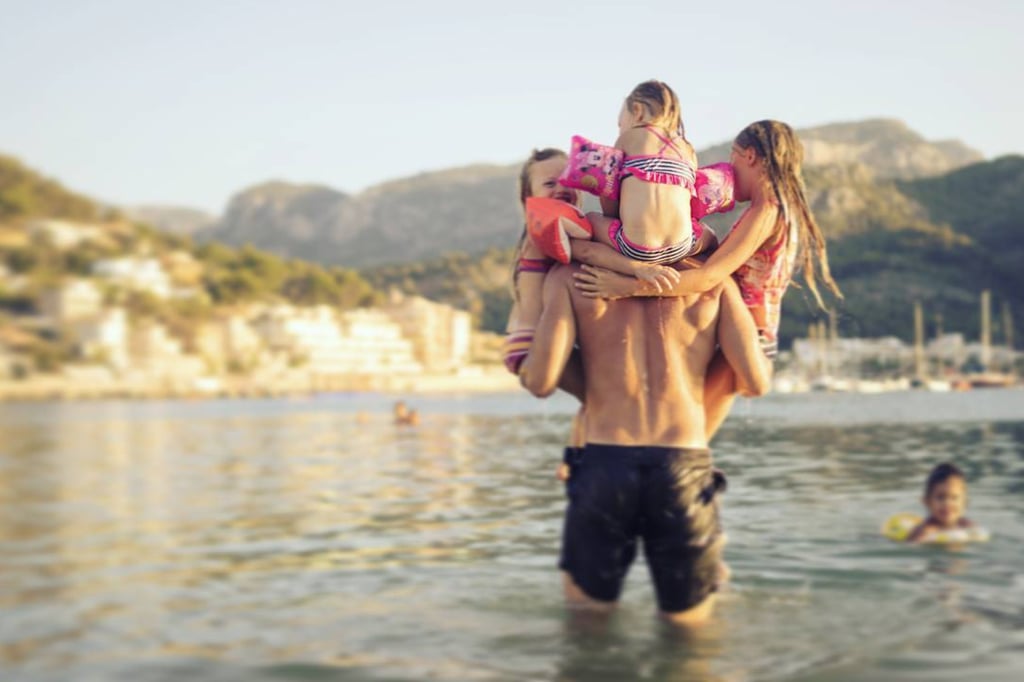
(945, 497)
(776, 233)
(537, 178)
(650, 223)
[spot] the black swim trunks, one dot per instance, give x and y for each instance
(664, 496)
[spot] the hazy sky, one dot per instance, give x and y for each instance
(187, 102)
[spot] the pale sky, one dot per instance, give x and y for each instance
(188, 102)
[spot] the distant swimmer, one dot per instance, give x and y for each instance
(945, 498)
(405, 416)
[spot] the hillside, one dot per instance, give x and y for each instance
(224, 275)
(464, 209)
(24, 193)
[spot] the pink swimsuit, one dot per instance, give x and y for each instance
(763, 281)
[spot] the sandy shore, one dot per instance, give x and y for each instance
(57, 387)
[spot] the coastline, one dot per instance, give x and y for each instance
(477, 379)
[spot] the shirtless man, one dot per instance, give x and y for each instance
(645, 472)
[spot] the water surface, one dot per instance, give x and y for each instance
(314, 540)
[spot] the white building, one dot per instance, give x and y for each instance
(440, 334)
(374, 344)
(357, 342)
(62, 233)
(136, 274)
(71, 301)
(156, 354)
(230, 341)
(824, 355)
(105, 336)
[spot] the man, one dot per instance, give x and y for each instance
(645, 472)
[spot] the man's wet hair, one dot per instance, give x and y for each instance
(940, 474)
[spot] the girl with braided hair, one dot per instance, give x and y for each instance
(776, 234)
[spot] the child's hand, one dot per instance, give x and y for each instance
(595, 282)
(562, 474)
(662, 277)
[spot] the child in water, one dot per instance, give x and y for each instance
(945, 497)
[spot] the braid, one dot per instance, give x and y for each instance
(775, 177)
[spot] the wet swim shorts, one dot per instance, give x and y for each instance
(663, 496)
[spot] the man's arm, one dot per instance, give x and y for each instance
(737, 337)
(553, 338)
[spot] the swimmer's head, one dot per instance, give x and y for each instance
(945, 494)
(539, 177)
(652, 103)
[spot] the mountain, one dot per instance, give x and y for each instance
(171, 219)
(474, 208)
(462, 209)
(887, 147)
(285, 218)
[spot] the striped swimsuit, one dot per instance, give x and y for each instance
(662, 170)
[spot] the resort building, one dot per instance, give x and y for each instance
(103, 337)
(62, 233)
(229, 342)
(440, 334)
(70, 301)
(158, 356)
(330, 344)
(136, 274)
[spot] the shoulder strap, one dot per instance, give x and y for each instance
(666, 142)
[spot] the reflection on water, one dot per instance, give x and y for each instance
(307, 540)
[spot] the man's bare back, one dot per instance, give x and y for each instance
(645, 473)
(644, 359)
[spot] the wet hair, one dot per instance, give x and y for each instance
(525, 192)
(782, 156)
(940, 474)
(661, 103)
